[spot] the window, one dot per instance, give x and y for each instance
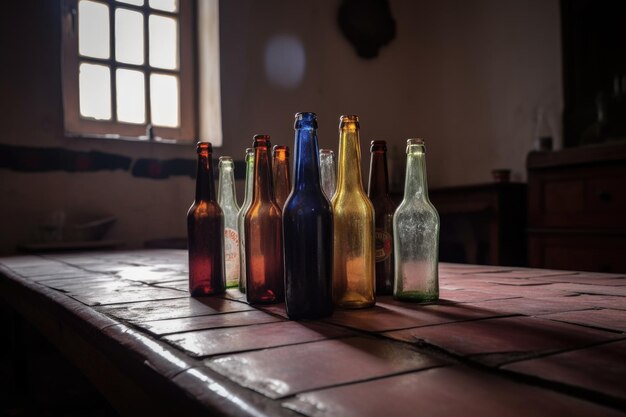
(128, 66)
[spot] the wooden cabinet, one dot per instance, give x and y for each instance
(577, 209)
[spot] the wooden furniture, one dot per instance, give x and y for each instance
(577, 208)
(501, 341)
(482, 224)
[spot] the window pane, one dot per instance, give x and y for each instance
(134, 2)
(165, 5)
(163, 42)
(93, 29)
(128, 36)
(164, 100)
(131, 104)
(94, 84)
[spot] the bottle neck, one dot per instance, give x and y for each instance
(307, 171)
(379, 178)
(349, 177)
(416, 185)
(262, 188)
(249, 178)
(205, 187)
(226, 189)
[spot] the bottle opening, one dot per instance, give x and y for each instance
(326, 152)
(305, 119)
(415, 141)
(349, 121)
(306, 116)
(204, 147)
(281, 151)
(378, 145)
(415, 144)
(261, 140)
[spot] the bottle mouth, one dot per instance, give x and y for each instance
(415, 141)
(326, 152)
(305, 119)
(418, 143)
(204, 147)
(261, 140)
(281, 150)
(350, 121)
(225, 160)
(378, 145)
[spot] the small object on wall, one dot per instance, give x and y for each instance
(367, 24)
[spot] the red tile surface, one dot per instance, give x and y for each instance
(605, 318)
(390, 315)
(604, 301)
(599, 368)
(469, 296)
(535, 306)
(116, 294)
(172, 308)
(244, 318)
(592, 289)
(443, 392)
(287, 370)
(514, 336)
(237, 339)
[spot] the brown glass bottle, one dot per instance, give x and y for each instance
(280, 174)
(384, 207)
(205, 225)
(265, 280)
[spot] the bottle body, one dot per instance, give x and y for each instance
(384, 208)
(241, 217)
(328, 172)
(280, 174)
(416, 238)
(226, 198)
(263, 234)
(307, 231)
(205, 225)
(353, 223)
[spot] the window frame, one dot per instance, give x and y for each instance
(79, 126)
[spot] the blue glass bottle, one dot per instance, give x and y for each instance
(307, 231)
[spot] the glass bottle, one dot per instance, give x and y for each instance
(307, 231)
(384, 207)
(263, 233)
(280, 174)
(328, 176)
(226, 197)
(205, 231)
(353, 214)
(247, 200)
(416, 238)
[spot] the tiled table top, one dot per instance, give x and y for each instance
(501, 341)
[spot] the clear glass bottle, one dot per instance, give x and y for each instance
(353, 225)
(205, 231)
(265, 279)
(308, 231)
(328, 170)
(280, 174)
(384, 207)
(416, 233)
(247, 200)
(227, 199)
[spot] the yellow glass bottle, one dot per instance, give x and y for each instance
(353, 220)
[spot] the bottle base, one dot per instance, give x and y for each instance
(204, 290)
(416, 297)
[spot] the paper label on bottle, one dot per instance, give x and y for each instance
(231, 255)
(383, 244)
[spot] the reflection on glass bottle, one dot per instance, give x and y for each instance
(328, 171)
(416, 233)
(263, 233)
(384, 207)
(353, 214)
(280, 174)
(241, 216)
(308, 231)
(226, 197)
(205, 231)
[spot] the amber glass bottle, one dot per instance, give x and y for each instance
(247, 200)
(205, 231)
(384, 207)
(353, 214)
(280, 174)
(308, 231)
(227, 199)
(416, 227)
(263, 233)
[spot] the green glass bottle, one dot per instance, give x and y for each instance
(247, 200)
(416, 233)
(353, 224)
